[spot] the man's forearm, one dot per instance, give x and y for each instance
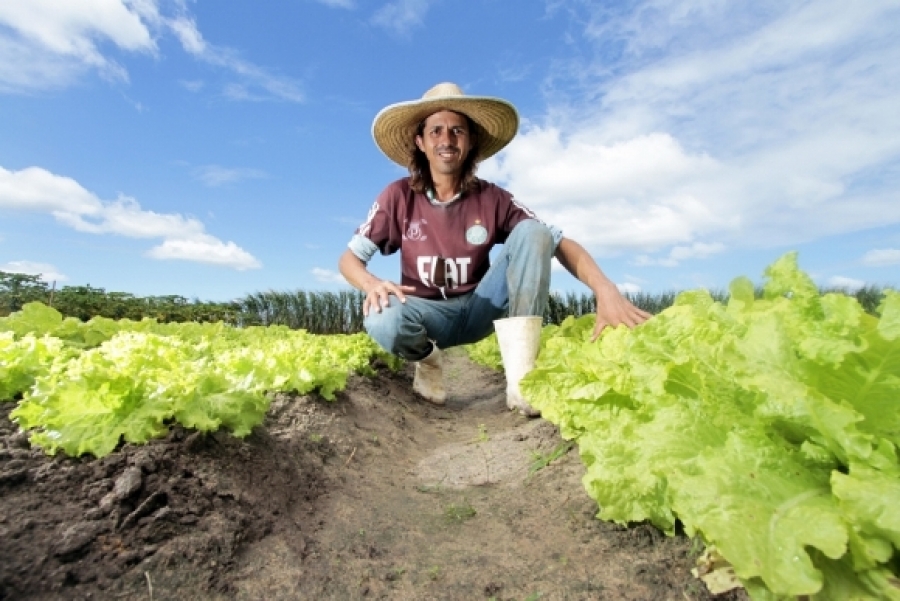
(355, 272)
(581, 264)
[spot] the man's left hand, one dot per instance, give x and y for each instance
(613, 309)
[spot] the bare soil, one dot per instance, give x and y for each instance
(377, 495)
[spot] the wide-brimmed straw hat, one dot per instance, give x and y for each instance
(394, 128)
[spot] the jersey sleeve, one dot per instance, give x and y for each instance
(513, 212)
(379, 232)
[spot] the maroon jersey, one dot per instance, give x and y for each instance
(461, 232)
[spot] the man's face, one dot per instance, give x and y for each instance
(446, 141)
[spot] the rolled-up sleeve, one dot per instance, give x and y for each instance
(557, 235)
(365, 249)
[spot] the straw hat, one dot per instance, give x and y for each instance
(394, 128)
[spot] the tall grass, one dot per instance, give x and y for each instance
(316, 312)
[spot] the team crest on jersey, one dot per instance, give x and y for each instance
(477, 234)
(414, 230)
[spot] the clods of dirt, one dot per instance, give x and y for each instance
(377, 495)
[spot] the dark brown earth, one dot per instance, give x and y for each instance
(376, 495)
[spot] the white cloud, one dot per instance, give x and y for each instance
(191, 39)
(881, 257)
(50, 43)
(48, 272)
(328, 276)
(401, 16)
(36, 189)
(216, 175)
(61, 38)
(704, 124)
(697, 250)
(206, 249)
(839, 281)
(626, 195)
(628, 288)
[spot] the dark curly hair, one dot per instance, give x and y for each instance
(420, 171)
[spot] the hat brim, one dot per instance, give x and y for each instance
(394, 128)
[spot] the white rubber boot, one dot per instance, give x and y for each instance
(520, 341)
(429, 380)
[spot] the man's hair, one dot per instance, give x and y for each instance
(420, 171)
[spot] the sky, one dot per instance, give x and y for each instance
(214, 149)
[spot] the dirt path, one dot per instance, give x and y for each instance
(375, 496)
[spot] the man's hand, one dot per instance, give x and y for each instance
(377, 296)
(613, 310)
(377, 290)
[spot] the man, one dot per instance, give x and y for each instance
(444, 221)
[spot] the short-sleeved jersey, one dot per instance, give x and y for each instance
(461, 232)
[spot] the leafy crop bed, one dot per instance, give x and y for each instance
(88, 385)
(769, 428)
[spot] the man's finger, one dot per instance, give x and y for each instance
(398, 292)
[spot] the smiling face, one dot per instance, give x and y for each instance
(446, 141)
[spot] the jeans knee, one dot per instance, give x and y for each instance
(383, 330)
(532, 233)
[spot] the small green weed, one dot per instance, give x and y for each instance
(540, 461)
(459, 513)
(429, 489)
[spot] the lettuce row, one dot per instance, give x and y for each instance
(105, 381)
(769, 427)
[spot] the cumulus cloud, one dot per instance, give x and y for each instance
(632, 194)
(328, 276)
(216, 175)
(206, 249)
(48, 272)
(700, 127)
(185, 238)
(881, 257)
(50, 43)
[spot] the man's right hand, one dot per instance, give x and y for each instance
(377, 296)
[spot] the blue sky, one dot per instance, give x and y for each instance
(215, 149)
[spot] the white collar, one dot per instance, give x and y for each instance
(433, 199)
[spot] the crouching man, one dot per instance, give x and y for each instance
(445, 221)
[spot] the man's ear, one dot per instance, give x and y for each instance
(419, 144)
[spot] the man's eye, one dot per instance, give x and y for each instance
(459, 131)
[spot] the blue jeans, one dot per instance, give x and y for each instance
(517, 283)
